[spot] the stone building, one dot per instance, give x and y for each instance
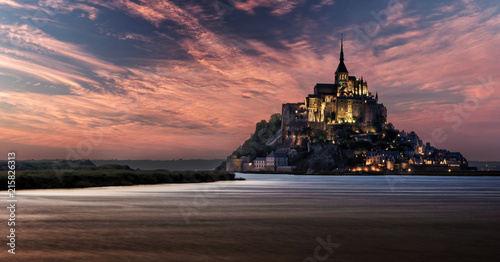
(233, 164)
(276, 159)
(259, 164)
(381, 158)
(347, 100)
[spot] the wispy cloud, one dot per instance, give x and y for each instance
(34, 39)
(14, 4)
(204, 99)
(322, 4)
(278, 7)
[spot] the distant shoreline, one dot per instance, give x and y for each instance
(457, 173)
(172, 165)
(83, 178)
(210, 164)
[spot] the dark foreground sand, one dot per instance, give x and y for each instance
(266, 218)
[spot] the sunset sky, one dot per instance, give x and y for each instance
(123, 79)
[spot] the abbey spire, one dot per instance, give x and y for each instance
(341, 68)
(342, 48)
(341, 75)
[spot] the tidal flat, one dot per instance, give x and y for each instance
(265, 218)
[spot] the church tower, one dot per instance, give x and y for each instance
(341, 75)
(344, 102)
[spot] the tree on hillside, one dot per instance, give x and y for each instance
(319, 136)
(389, 133)
(256, 146)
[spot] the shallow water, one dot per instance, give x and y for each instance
(265, 218)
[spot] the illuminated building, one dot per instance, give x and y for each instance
(347, 101)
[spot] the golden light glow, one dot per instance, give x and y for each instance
(367, 168)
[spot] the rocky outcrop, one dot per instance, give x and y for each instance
(322, 157)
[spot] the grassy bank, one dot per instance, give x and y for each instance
(95, 177)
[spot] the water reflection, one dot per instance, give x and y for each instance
(265, 218)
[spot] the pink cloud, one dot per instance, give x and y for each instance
(449, 57)
(207, 106)
(279, 7)
(14, 4)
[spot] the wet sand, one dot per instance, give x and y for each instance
(266, 218)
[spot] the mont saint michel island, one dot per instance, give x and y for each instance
(249, 130)
(341, 127)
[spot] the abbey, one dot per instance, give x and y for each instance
(341, 127)
(347, 101)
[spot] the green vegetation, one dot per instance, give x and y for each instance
(319, 136)
(83, 173)
(265, 132)
(77, 178)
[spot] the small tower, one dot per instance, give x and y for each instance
(341, 75)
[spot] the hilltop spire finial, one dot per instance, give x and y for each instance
(342, 68)
(341, 47)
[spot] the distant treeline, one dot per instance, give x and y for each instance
(61, 164)
(172, 165)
